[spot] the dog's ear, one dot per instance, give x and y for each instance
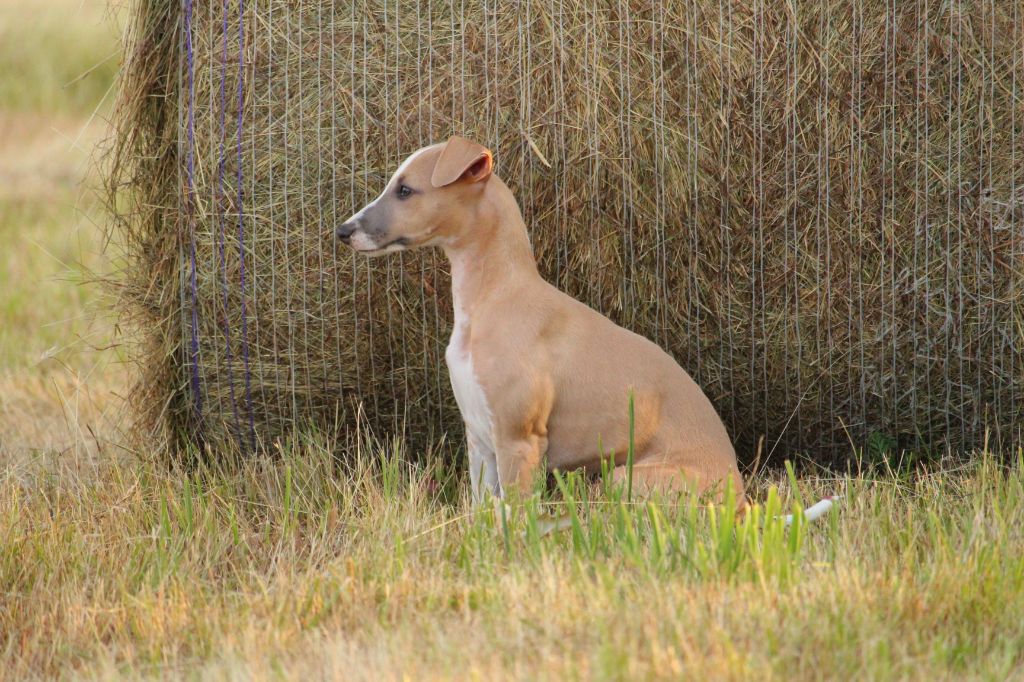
(461, 159)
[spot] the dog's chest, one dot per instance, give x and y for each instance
(469, 394)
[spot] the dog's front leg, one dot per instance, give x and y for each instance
(519, 459)
(483, 468)
(483, 473)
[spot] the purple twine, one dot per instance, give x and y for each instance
(220, 216)
(241, 224)
(197, 395)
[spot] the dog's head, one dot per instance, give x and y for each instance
(429, 200)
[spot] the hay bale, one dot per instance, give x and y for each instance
(816, 207)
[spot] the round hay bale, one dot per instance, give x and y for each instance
(816, 207)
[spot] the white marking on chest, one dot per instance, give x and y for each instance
(469, 394)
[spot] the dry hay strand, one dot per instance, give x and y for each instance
(817, 208)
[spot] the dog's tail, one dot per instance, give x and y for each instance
(815, 511)
(812, 513)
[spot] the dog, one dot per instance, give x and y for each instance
(541, 380)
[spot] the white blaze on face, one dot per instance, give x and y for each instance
(405, 164)
(401, 169)
(359, 214)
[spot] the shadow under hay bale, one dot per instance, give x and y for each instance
(819, 212)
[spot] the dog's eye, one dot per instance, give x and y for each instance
(404, 191)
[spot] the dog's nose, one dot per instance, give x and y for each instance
(344, 231)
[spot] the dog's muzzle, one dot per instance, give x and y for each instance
(345, 230)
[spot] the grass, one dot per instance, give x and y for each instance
(48, 132)
(112, 565)
(298, 568)
(56, 55)
(56, 383)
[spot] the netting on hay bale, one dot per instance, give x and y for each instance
(817, 208)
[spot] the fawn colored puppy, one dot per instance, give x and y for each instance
(540, 378)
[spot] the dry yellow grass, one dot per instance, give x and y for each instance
(57, 371)
(299, 569)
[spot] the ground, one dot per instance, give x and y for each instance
(113, 565)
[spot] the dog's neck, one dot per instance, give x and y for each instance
(491, 254)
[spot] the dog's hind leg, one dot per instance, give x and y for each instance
(667, 478)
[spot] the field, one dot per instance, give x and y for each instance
(113, 564)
